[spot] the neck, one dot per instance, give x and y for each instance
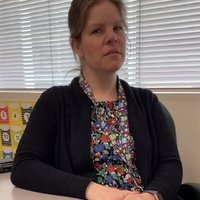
(104, 86)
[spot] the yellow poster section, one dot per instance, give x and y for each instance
(13, 119)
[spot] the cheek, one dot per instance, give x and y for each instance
(124, 46)
(124, 42)
(95, 49)
(91, 48)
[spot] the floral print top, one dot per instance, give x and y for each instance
(112, 146)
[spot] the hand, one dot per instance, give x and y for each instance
(98, 192)
(140, 196)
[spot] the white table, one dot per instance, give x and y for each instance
(9, 192)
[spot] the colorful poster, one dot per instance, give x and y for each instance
(13, 119)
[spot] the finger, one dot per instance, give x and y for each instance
(131, 193)
(131, 196)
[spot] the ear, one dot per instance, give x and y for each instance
(76, 47)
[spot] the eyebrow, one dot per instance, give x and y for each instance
(101, 24)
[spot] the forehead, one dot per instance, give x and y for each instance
(103, 12)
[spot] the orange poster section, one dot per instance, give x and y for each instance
(13, 119)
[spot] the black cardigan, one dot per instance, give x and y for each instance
(53, 155)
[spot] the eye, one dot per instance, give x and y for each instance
(98, 30)
(118, 28)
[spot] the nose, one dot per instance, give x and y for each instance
(111, 36)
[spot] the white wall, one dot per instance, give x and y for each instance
(185, 109)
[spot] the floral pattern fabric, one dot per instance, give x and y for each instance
(112, 146)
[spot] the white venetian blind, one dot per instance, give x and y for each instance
(169, 43)
(34, 43)
(163, 49)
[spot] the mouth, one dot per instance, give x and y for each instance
(112, 52)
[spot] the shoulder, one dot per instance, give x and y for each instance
(56, 91)
(140, 94)
(145, 95)
(141, 91)
(62, 91)
(54, 97)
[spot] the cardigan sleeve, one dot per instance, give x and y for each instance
(168, 173)
(34, 167)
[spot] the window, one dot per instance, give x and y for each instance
(163, 50)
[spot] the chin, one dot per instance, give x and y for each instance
(114, 68)
(113, 63)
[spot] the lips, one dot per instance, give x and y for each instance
(112, 51)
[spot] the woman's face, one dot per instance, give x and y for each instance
(103, 40)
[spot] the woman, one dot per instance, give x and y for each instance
(98, 138)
